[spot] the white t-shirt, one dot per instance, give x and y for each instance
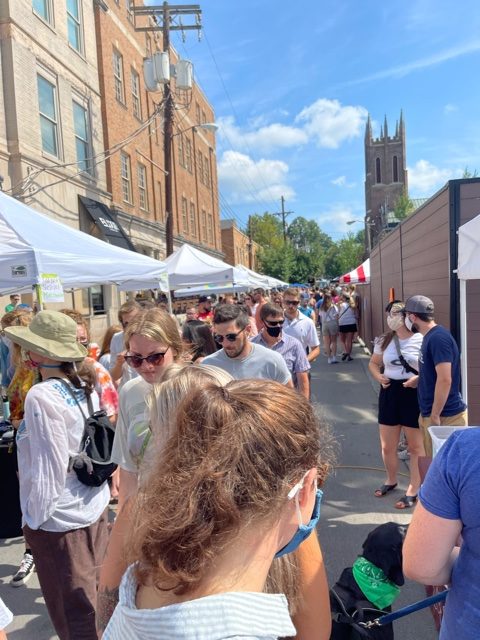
(260, 363)
(5, 615)
(132, 425)
(331, 315)
(346, 314)
(410, 349)
(303, 329)
(53, 498)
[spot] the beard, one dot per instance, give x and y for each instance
(236, 350)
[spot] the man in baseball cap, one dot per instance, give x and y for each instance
(439, 394)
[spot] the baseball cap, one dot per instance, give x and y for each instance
(419, 304)
(204, 299)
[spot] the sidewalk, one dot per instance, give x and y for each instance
(347, 398)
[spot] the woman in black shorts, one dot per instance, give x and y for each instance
(394, 360)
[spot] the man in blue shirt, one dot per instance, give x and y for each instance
(272, 337)
(439, 396)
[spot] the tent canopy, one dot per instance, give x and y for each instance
(190, 267)
(360, 275)
(468, 263)
(31, 244)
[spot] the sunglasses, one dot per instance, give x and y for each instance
(230, 337)
(274, 323)
(136, 361)
(293, 303)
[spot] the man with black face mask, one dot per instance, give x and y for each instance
(439, 394)
(272, 337)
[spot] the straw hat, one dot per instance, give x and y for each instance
(51, 334)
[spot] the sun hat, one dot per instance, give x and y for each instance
(51, 334)
(419, 304)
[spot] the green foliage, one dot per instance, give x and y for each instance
(346, 255)
(468, 174)
(403, 206)
(266, 229)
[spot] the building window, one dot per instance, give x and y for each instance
(210, 228)
(137, 106)
(160, 202)
(118, 76)
(204, 117)
(200, 166)
(181, 150)
(378, 172)
(395, 169)
(204, 225)
(129, 11)
(126, 178)
(193, 222)
(206, 173)
(82, 137)
(184, 215)
(47, 106)
(197, 113)
(43, 8)
(188, 155)
(74, 25)
(142, 187)
(97, 300)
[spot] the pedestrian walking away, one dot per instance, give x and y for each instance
(394, 364)
(347, 322)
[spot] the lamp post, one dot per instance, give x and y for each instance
(169, 135)
(368, 225)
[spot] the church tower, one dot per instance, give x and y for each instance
(385, 177)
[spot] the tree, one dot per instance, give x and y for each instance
(468, 174)
(344, 256)
(278, 262)
(266, 230)
(310, 245)
(403, 206)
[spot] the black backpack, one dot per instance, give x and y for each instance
(93, 464)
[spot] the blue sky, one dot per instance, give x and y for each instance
(292, 84)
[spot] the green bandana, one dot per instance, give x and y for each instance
(374, 584)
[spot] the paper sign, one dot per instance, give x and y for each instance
(51, 286)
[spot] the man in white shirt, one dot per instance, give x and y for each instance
(298, 325)
(241, 358)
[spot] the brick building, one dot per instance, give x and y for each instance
(237, 247)
(135, 172)
(385, 177)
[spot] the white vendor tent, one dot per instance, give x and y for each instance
(468, 268)
(32, 244)
(360, 275)
(255, 279)
(189, 267)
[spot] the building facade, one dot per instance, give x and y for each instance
(237, 247)
(385, 177)
(133, 134)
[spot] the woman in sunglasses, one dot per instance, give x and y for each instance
(153, 341)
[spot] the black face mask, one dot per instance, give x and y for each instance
(274, 331)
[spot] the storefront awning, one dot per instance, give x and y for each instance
(107, 223)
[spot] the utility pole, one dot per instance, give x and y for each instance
(250, 243)
(166, 13)
(283, 215)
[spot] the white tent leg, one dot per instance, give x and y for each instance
(463, 339)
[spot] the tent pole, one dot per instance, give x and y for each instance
(38, 294)
(169, 296)
(463, 339)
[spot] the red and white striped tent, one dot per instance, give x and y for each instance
(360, 275)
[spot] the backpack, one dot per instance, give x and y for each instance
(93, 464)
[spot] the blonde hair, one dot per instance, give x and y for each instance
(157, 325)
(17, 318)
(233, 454)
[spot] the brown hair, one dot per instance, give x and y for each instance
(270, 309)
(17, 318)
(234, 454)
(107, 338)
(79, 319)
(127, 307)
(157, 325)
(293, 292)
(327, 302)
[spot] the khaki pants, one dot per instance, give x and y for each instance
(68, 567)
(458, 420)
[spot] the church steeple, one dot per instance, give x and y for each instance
(368, 130)
(385, 128)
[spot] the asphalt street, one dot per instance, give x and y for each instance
(346, 397)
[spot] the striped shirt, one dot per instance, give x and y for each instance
(236, 616)
(290, 349)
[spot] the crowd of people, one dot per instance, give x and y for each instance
(219, 479)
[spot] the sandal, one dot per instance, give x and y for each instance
(406, 502)
(384, 489)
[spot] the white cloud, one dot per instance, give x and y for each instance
(330, 123)
(337, 216)
(449, 108)
(341, 181)
(246, 180)
(424, 178)
(263, 138)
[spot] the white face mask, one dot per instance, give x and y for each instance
(408, 323)
(395, 322)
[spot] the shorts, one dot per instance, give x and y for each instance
(398, 405)
(330, 328)
(348, 328)
(458, 420)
